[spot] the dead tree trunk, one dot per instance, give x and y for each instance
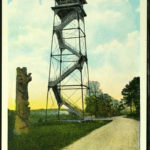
(22, 109)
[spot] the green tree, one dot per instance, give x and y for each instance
(131, 94)
(102, 105)
(121, 105)
(135, 84)
(99, 103)
(92, 103)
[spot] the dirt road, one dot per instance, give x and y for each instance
(120, 134)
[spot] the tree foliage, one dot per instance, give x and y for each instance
(131, 95)
(101, 106)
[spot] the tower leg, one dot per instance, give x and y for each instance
(58, 112)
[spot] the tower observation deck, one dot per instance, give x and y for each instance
(68, 72)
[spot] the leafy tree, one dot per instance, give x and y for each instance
(92, 103)
(131, 94)
(101, 105)
(126, 92)
(121, 105)
(135, 84)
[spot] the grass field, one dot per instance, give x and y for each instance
(53, 135)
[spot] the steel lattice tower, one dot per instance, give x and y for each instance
(68, 72)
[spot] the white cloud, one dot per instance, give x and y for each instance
(126, 52)
(29, 41)
(111, 82)
(115, 73)
(32, 21)
(30, 28)
(35, 38)
(104, 17)
(108, 20)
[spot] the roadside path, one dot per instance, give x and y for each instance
(120, 134)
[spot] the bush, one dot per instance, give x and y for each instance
(101, 106)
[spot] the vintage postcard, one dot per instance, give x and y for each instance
(74, 75)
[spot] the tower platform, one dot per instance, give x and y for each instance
(65, 9)
(60, 2)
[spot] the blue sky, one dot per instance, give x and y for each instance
(112, 28)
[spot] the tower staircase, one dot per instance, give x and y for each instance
(67, 11)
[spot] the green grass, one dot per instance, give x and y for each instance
(53, 135)
(39, 115)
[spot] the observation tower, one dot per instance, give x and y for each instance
(68, 71)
